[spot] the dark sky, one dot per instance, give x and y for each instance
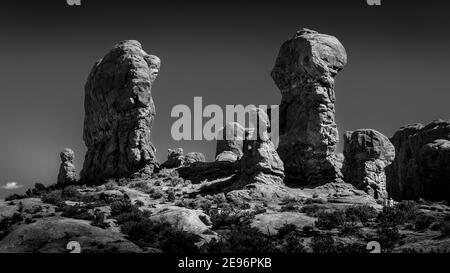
(397, 71)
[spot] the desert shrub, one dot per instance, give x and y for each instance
(323, 244)
(286, 229)
(38, 190)
(171, 195)
(312, 210)
(309, 231)
(99, 220)
(423, 221)
(15, 196)
(330, 220)
(7, 222)
(362, 213)
(121, 206)
(389, 217)
(243, 239)
(349, 228)
(388, 237)
(76, 212)
(53, 197)
(71, 193)
(293, 243)
(156, 193)
(406, 210)
(289, 207)
(228, 216)
(445, 228)
(147, 233)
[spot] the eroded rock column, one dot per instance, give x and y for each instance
(367, 153)
(304, 72)
(119, 114)
(67, 171)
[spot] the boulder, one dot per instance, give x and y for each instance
(119, 114)
(67, 171)
(304, 71)
(193, 157)
(52, 235)
(367, 153)
(421, 168)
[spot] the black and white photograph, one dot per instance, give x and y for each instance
(239, 129)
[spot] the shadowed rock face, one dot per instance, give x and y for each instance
(119, 114)
(367, 153)
(67, 172)
(304, 72)
(421, 168)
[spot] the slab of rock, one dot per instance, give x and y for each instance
(67, 171)
(270, 222)
(304, 72)
(421, 168)
(367, 153)
(184, 219)
(230, 142)
(119, 114)
(193, 157)
(52, 235)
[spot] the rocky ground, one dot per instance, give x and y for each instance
(167, 213)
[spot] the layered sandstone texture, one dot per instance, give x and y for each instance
(305, 71)
(119, 113)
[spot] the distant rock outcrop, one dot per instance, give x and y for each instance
(304, 72)
(67, 171)
(421, 168)
(119, 114)
(367, 153)
(229, 142)
(176, 158)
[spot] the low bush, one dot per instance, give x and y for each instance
(423, 221)
(76, 212)
(243, 239)
(54, 197)
(361, 213)
(330, 220)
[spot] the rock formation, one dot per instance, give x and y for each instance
(67, 172)
(367, 153)
(304, 72)
(193, 157)
(229, 142)
(260, 155)
(176, 158)
(261, 169)
(421, 168)
(119, 114)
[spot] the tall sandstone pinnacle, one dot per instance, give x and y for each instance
(119, 114)
(304, 72)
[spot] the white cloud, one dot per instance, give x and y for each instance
(12, 186)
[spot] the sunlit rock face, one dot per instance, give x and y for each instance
(119, 114)
(305, 71)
